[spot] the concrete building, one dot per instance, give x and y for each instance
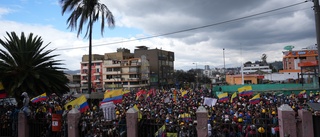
(161, 65)
(74, 83)
(247, 79)
(256, 68)
(123, 69)
(96, 73)
(299, 66)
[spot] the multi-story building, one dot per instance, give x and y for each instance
(292, 59)
(298, 65)
(74, 83)
(256, 68)
(96, 73)
(120, 69)
(161, 65)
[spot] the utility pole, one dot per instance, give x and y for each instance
(196, 74)
(317, 19)
(224, 68)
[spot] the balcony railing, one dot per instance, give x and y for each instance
(112, 72)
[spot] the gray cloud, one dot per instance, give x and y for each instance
(255, 34)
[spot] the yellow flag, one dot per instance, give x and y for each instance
(234, 95)
(139, 113)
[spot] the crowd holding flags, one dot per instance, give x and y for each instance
(42, 97)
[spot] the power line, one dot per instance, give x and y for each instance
(190, 29)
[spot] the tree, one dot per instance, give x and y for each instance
(27, 66)
(264, 59)
(87, 12)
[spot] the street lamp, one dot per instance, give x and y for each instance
(196, 74)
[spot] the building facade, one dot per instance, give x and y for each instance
(123, 69)
(74, 83)
(161, 65)
(302, 65)
(256, 68)
(291, 59)
(96, 73)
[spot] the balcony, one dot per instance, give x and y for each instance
(112, 65)
(112, 80)
(84, 74)
(84, 67)
(96, 73)
(112, 72)
(133, 79)
(84, 80)
(97, 80)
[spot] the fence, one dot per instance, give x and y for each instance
(8, 122)
(259, 127)
(316, 125)
(96, 125)
(131, 126)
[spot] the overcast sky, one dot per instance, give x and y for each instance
(199, 29)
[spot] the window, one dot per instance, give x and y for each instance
(85, 71)
(247, 81)
(84, 78)
(109, 69)
(97, 64)
(97, 70)
(98, 77)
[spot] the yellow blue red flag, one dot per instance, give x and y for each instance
(245, 91)
(39, 98)
(80, 103)
(223, 97)
(255, 99)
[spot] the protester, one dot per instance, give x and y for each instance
(175, 109)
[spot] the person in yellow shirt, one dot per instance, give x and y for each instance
(57, 108)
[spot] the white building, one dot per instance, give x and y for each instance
(255, 68)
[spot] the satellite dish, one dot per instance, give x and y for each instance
(289, 47)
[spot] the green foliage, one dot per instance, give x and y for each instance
(25, 65)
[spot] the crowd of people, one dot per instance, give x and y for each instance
(169, 112)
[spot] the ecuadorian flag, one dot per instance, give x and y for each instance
(80, 103)
(184, 93)
(223, 97)
(115, 96)
(245, 91)
(255, 99)
(39, 98)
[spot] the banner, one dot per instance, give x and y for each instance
(210, 101)
(108, 109)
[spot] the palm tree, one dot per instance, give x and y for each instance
(83, 11)
(25, 65)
